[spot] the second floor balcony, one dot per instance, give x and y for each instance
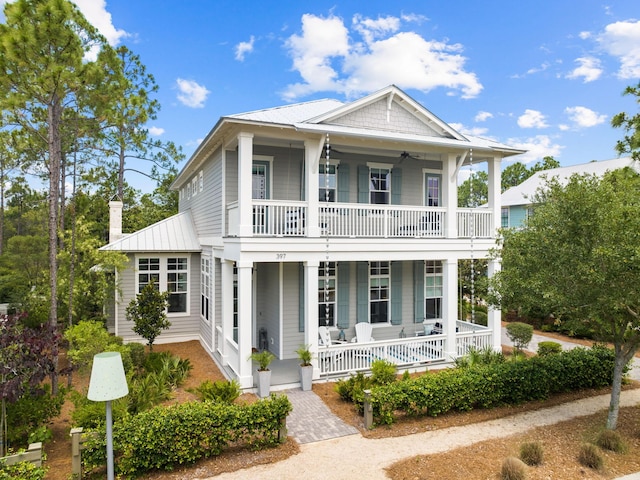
(276, 218)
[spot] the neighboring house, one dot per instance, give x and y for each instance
(517, 201)
(321, 214)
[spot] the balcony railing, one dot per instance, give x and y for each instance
(352, 220)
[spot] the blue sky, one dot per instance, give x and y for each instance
(545, 76)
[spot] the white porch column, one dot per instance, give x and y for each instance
(494, 315)
(450, 305)
(245, 323)
(226, 308)
(312, 151)
(495, 180)
(311, 311)
(450, 196)
(245, 162)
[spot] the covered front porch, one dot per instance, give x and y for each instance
(415, 352)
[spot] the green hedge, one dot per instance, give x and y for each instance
(486, 386)
(165, 437)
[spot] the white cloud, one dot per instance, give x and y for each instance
(477, 131)
(191, 93)
(584, 35)
(327, 57)
(622, 40)
(537, 148)
(482, 116)
(95, 11)
(243, 48)
(588, 68)
(156, 131)
(584, 117)
(532, 119)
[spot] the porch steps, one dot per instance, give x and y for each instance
(311, 420)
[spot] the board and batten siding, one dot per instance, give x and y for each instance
(292, 337)
(268, 304)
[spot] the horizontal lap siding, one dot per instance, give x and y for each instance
(182, 327)
(206, 205)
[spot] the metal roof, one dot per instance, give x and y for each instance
(174, 234)
(522, 194)
(290, 114)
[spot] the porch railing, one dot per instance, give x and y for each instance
(412, 351)
(290, 219)
(351, 357)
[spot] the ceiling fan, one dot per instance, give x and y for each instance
(404, 155)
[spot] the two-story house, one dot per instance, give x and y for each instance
(311, 218)
(518, 202)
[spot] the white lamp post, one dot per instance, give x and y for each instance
(107, 383)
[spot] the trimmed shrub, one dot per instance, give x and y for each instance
(611, 440)
(485, 386)
(590, 457)
(165, 437)
(221, 391)
(21, 470)
(520, 334)
(531, 453)
(383, 372)
(513, 469)
(548, 348)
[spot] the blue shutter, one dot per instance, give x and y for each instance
(396, 186)
(343, 294)
(418, 291)
(301, 316)
(363, 184)
(343, 183)
(396, 293)
(362, 294)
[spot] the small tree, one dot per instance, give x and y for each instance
(520, 334)
(148, 312)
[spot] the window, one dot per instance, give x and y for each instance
(433, 190)
(177, 284)
(327, 182)
(433, 289)
(235, 303)
(200, 181)
(168, 274)
(379, 280)
(148, 271)
(379, 185)
(504, 217)
(194, 186)
(205, 288)
(327, 294)
(259, 185)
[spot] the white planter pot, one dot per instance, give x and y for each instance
(306, 376)
(264, 383)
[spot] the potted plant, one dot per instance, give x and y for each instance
(306, 368)
(263, 358)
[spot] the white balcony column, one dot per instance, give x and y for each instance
(450, 196)
(494, 315)
(495, 182)
(226, 308)
(245, 323)
(311, 311)
(450, 305)
(312, 151)
(245, 184)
